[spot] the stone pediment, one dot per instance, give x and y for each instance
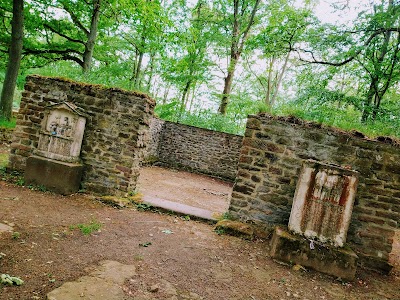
(69, 107)
(62, 132)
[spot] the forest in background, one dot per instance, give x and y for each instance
(211, 63)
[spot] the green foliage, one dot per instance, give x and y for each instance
(40, 188)
(87, 228)
(144, 207)
(16, 235)
(233, 122)
(342, 116)
(10, 280)
(7, 124)
(179, 51)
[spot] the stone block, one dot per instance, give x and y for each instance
(60, 177)
(339, 262)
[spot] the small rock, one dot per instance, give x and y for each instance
(235, 228)
(154, 288)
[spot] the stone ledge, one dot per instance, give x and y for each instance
(59, 177)
(295, 249)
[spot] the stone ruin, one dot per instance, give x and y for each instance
(55, 163)
(323, 202)
(71, 136)
(278, 185)
(275, 185)
(321, 212)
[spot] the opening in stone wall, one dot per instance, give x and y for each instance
(394, 257)
(184, 192)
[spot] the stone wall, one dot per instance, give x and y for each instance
(270, 162)
(5, 135)
(195, 149)
(115, 136)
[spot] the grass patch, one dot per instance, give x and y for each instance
(3, 160)
(7, 124)
(87, 228)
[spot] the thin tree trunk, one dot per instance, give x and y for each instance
(227, 91)
(238, 39)
(368, 101)
(151, 63)
(269, 83)
(91, 37)
(138, 71)
(166, 94)
(184, 94)
(279, 80)
(14, 60)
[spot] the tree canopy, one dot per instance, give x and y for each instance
(210, 63)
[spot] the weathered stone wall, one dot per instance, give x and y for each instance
(156, 129)
(270, 162)
(195, 149)
(5, 135)
(115, 136)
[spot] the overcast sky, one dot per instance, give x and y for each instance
(326, 13)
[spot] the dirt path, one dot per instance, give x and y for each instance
(185, 259)
(185, 255)
(185, 188)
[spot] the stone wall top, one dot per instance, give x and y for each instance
(311, 124)
(88, 88)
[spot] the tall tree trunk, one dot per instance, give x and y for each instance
(184, 93)
(269, 83)
(238, 39)
(138, 71)
(227, 91)
(91, 37)
(279, 80)
(14, 60)
(369, 100)
(166, 93)
(150, 73)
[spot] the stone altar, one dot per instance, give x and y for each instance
(319, 220)
(56, 161)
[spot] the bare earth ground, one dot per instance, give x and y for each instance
(185, 188)
(193, 259)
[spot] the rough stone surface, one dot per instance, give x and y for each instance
(236, 228)
(104, 283)
(323, 202)
(269, 166)
(5, 228)
(194, 149)
(115, 136)
(5, 134)
(60, 177)
(295, 249)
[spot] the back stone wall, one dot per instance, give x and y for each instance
(195, 149)
(274, 149)
(115, 137)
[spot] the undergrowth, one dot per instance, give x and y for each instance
(7, 124)
(87, 228)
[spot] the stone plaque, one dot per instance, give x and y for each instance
(323, 202)
(62, 132)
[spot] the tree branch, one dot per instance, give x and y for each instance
(75, 19)
(28, 51)
(351, 58)
(63, 35)
(251, 21)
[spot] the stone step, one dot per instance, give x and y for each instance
(181, 208)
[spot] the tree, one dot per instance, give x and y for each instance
(147, 23)
(284, 28)
(14, 60)
(240, 21)
(373, 45)
(65, 30)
